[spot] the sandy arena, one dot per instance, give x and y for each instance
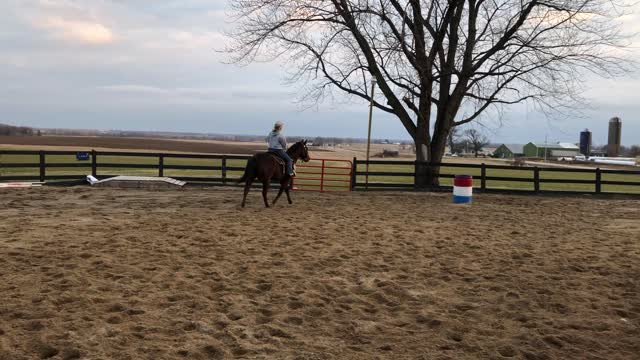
(132, 274)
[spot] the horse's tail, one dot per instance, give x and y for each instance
(249, 170)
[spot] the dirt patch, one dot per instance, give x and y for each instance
(143, 144)
(133, 274)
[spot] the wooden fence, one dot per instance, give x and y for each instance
(156, 162)
(212, 169)
(603, 180)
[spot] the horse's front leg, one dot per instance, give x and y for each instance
(278, 196)
(284, 183)
(265, 188)
(286, 190)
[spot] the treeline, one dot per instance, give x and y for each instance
(8, 130)
(319, 141)
(625, 151)
(632, 151)
(331, 141)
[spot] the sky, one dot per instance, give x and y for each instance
(157, 65)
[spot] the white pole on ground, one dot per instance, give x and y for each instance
(373, 88)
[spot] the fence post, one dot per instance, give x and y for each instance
(483, 177)
(536, 179)
(224, 169)
(94, 163)
(322, 177)
(161, 165)
(43, 166)
(354, 169)
(415, 175)
(598, 181)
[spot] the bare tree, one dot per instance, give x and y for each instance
(452, 139)
(438, 64)
(630, 151)
(476, 139)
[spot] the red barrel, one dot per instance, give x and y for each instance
(463, 181)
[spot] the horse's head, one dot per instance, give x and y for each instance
(300, 150)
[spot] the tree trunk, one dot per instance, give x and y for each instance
(437, 150)
(422, 173)
(428, 176)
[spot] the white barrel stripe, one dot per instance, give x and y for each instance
(462, 191)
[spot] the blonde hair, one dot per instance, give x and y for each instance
(278, 126)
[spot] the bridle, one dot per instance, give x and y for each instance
(305, 151)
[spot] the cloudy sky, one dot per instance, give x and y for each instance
(156, 65)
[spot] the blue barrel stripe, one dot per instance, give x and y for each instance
(461, 199)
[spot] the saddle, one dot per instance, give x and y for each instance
(279, 160)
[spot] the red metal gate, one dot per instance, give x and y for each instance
(323, 175)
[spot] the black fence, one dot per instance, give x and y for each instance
(154, 164)
(212, 169)
(400, 175)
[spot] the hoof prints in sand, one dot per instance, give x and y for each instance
(112, 274)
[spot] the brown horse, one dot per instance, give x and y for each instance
(268, 166)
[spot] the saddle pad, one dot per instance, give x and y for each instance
(278, 158)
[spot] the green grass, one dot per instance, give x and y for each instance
(338, 175)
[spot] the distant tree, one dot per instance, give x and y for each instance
(476, 140)
(634, 151)
(454, 135)
(39, 133)
(9, 130)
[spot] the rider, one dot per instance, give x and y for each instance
(278, 145)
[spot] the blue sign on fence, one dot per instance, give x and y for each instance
(82, 156)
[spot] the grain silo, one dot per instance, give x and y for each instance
(615, 137)
(585, 142)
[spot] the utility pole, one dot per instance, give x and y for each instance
(373, 88)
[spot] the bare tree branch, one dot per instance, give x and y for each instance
(438, 64)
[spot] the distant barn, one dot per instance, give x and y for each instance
(509, 151)
(559, 150)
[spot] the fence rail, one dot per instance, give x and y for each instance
(115, 163)
(387, 174)
(328, 175)
(324, 175)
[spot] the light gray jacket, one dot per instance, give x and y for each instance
(276, 140)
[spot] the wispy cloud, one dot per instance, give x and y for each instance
(229, 97)
(84, 32)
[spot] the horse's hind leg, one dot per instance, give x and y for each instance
(247, 187)
(265, 188)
